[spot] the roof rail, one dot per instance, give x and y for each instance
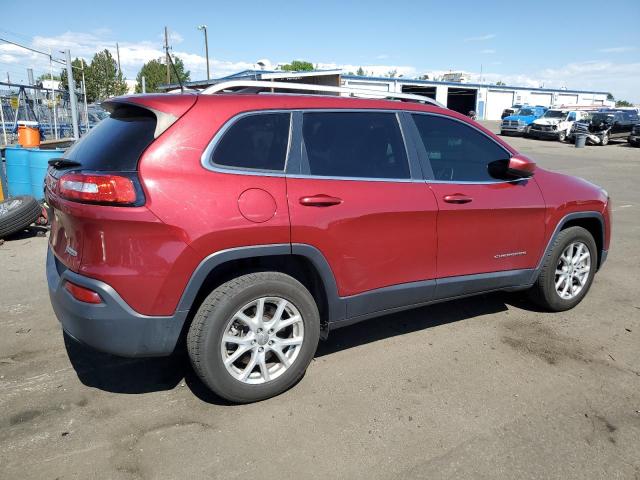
(257, 86)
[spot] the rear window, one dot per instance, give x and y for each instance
(117, 142)
(257, 141)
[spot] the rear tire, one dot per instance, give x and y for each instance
(237, 345)
(604, 140)
(562, 136)
(17, 213)
(563, 282)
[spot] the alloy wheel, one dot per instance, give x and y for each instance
(262, 340)
(572, 270)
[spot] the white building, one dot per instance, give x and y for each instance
(488, 101)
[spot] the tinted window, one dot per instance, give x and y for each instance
(117, 142)
(355, 144)
(255, 141)
(457, 152)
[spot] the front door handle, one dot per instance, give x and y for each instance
(320, 200)
(457, 198)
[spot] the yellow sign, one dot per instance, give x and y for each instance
(14, 102)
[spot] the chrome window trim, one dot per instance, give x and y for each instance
(467, 182)
(206, 159)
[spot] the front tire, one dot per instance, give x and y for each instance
(604, 140)
(562, 136)
(254, 336)
(567, 272)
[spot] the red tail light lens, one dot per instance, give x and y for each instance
(82, 294)
(101, 188)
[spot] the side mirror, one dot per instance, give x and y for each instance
(520, 166)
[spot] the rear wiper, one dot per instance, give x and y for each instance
(63, 162)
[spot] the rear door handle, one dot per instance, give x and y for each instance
(457, 198)
(320, 200)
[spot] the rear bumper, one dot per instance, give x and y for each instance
(112, 326)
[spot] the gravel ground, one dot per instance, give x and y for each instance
(485, 387)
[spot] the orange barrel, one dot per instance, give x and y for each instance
(28, 134)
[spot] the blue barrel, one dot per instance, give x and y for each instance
(38, 164)
(18, 175)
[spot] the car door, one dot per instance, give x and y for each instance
(485, 224)
(358, 197)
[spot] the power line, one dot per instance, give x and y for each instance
(34, 50)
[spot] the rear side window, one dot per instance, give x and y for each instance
(255, 141)
(117, 142)
(458, 152)
(355, 144)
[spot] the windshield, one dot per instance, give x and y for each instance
(554, 114)
(602, 117)
(525, 112)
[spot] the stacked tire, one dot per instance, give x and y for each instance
(17, 213)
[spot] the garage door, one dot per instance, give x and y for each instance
(497, 101)
(543, 99)
(566, 99)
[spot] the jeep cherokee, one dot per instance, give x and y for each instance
(250, 225)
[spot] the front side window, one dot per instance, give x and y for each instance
(256, 142)
(572, 117)
(355, 144)
(458, 152)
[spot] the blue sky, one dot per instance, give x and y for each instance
(574, 44)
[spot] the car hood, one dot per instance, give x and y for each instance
(547, 121)
(527, 118)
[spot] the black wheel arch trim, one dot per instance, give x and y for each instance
(558, 228)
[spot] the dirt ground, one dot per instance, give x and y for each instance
(485, 387)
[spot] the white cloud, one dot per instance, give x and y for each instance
(481, 38)
(626, 48)
(382, 56)
(488, 51)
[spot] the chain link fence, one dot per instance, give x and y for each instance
(50, 108)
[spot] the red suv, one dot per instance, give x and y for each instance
(253, 224)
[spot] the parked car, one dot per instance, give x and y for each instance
(510, 111)
(634, 137)
(605, 125)
(555, 123)
(520, 122)
(252, 225)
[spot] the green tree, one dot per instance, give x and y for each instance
(423, 77)
(46, 76)
(500, 83)
(623, 103)
(360, 72)
(77, 65)
(103, 79)
(155, 74)
(297, 66)
(391, 74)
(610, 97)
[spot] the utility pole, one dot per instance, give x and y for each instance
(206, 47)
(72, 95)
(118, 54)
(166, 50)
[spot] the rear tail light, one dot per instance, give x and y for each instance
(82, 294)
(98, 188)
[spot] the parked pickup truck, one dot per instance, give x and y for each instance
(510, 111)
(521, 121)
(603, 126)
(556, 123)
